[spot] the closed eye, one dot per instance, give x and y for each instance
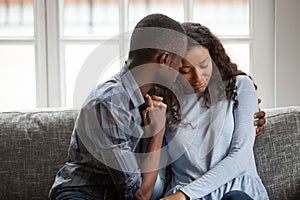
(184, 69)
(203, 66)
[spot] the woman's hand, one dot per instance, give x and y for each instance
(176, 196)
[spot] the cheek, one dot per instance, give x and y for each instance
(208, 73)
(187, 77)
(177, 63)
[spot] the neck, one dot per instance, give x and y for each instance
(143, 75)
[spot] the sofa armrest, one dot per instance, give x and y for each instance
(277, 153)
(33, 146)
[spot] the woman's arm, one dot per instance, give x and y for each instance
(241, 147)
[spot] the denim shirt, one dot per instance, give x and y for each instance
(105, 141)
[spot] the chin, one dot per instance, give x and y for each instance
(200, 90)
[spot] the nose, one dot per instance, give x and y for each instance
(180, 64)
(197, 76)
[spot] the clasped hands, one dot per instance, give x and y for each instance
(154, 115)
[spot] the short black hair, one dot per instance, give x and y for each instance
(155, 33)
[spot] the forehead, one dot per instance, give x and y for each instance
(197, 53)
(183, 46)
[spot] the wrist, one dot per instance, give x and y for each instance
(183, 195)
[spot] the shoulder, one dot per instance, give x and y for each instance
(243, 79)
(101, 95)
(244, 82)
(245, 90)
(112, 90)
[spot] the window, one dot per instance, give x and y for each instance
(45, 42)
(17, 52)
(140, 8)
(231, 21)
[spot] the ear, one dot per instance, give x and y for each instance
(165, 59)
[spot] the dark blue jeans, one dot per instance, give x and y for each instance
(84, 194)
(75, 195)
(236, 195)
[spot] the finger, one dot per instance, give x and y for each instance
(158, 101)
(258, 133)
(146, 118)
(261, 122)
(259, 100)
(149, 101)
(259, 130)
(157, 98)
(260, 114)
(159, 104)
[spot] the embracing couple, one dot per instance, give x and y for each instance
(177, 122)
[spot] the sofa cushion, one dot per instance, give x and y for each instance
(33, 146)
(277, 153)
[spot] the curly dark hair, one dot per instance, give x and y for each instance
(228, 70)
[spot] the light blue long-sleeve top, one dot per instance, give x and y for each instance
(216, 147)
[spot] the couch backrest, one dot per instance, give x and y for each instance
(33, 146)
(277, 153)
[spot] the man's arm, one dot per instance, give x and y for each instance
(154, 120)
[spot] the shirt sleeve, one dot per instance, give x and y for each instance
(161, 177)
(111, 135)
(241, 147)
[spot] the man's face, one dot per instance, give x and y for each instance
(177, 60)
(167, 72)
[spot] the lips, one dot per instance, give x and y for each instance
(199, 86)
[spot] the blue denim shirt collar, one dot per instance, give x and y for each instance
(131, 87)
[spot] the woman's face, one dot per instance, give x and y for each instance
(197, 68)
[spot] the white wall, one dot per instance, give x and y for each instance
(263, 51)
(276, 52)
(287, 56)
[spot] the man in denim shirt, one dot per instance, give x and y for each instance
(104, 159)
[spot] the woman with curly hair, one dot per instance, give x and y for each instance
(216, 135)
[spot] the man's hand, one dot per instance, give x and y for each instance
(259, 120)
(154, 116)
(176, 196)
